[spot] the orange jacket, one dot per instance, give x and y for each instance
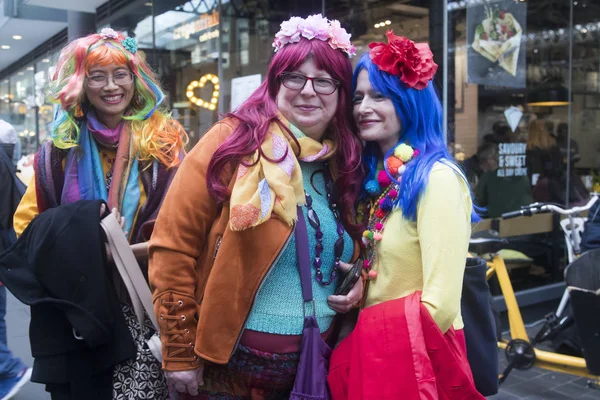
(205, 276)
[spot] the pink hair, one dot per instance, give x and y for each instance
(259, 111)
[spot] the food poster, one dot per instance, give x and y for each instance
(496, 42)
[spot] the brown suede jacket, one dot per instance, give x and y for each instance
(205, 276)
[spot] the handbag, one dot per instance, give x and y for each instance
(311, 377)
(141, 377)
(480, 327)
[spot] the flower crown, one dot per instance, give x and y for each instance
(128, 43)
(314, 27)
(412, 63)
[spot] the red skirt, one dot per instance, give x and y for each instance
(396, 351)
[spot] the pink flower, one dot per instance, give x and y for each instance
(109, 33)
(290, 27)
(289, 33)
(340, 39)
(314, 27)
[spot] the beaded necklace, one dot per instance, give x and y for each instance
(383, 194)
(111, 163)
(313, 220)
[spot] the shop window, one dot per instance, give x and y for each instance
(523, 107)
(135, 20)
(581, 143)
(22, 112)
(4, 100)
(188, 37)
(44, 69)
(511, 85)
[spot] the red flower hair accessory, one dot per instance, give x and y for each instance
(412, 63)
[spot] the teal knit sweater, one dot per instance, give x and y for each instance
(278, 305)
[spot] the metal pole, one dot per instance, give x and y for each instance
(220, 107)
(36, 110)
(445, 72)
(153, 36)
(569, 116)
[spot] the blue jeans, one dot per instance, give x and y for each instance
(10, 366)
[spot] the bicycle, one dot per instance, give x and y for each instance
(520, 351)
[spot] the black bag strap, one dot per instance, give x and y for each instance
(303, 257)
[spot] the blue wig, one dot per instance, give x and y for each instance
(420, 112)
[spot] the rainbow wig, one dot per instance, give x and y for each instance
(420, 113)
(155, 134)
(260, 110)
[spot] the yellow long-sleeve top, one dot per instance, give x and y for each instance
(428, 254)
(28, 209)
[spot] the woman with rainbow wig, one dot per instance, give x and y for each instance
(223, 261)
(417, 209)
(110, 140)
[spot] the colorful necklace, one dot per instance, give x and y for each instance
(383, 196)
(109, 174)
(313, 220)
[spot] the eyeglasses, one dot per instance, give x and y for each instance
(295, 81)
(119, 78)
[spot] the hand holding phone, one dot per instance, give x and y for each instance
(350, 279)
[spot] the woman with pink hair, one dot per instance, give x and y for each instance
(223, 262)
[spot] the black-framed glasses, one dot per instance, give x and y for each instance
(294, 81)
(120, 78)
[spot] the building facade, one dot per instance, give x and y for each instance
(519, 80)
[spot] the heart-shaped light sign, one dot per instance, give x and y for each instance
(199, 84)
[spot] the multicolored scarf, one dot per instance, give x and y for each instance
(264, 187)
(83, 177)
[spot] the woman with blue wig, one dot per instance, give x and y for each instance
(417, 209)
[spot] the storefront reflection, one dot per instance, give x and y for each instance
(211, 54)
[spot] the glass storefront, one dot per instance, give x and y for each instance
(5, 100)
(43, 71)
(188, 47)
(24, 104)
(522, 102)
(523, 113)
(22, 108)
(521, 81)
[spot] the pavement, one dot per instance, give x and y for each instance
(17, 321)
(539, 384)
(533, 384)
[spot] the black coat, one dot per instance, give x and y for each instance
(58, 268)
(11, 191)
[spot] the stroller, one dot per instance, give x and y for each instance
(582, 277)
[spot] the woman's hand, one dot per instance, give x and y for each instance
(187, 381)
(343, 304)
(116, 213)
(140, 250)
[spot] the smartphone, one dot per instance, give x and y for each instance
(350, 278)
